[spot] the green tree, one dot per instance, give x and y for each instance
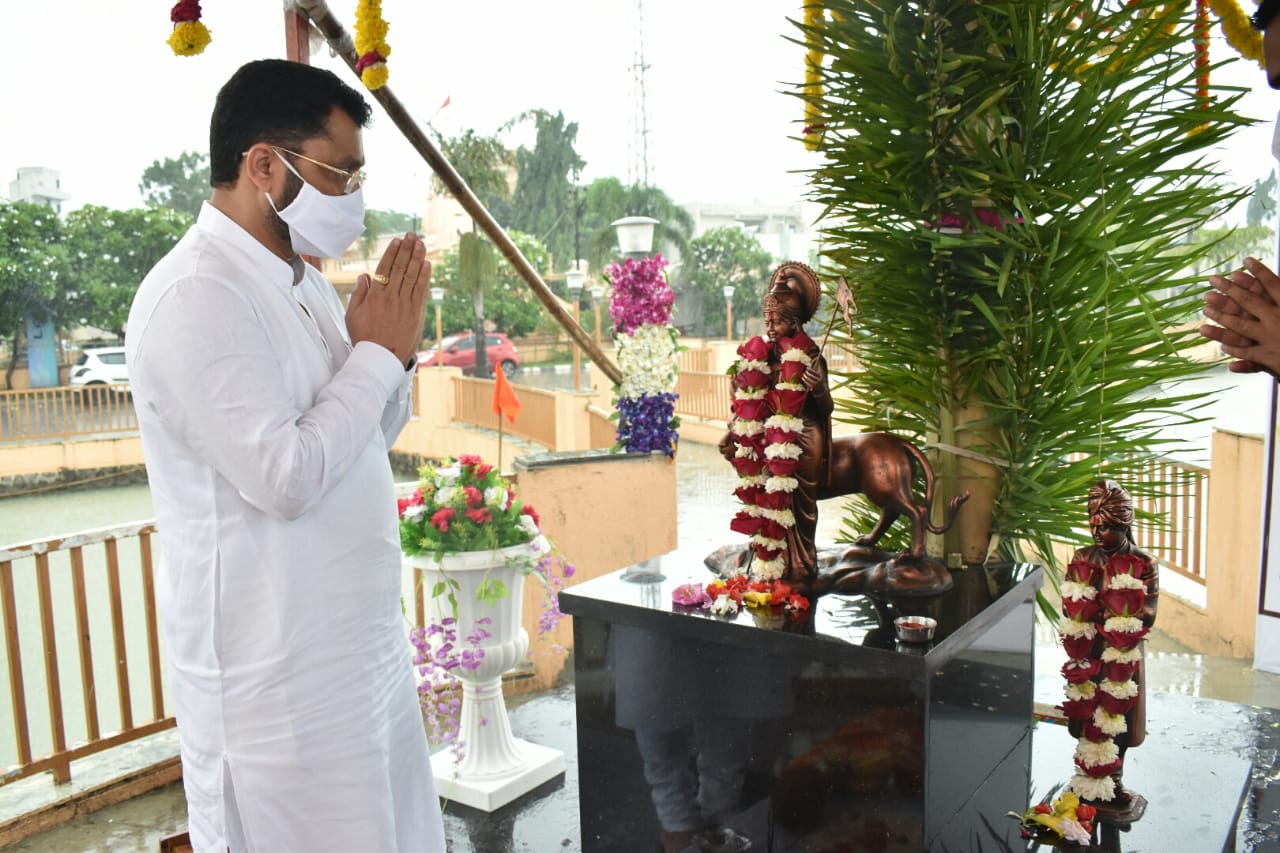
(544, 197)
(180, 183)
(485, 164)
(33, 270)
(508, 302)
(110, 252)
(1001, 183)
(727, 256)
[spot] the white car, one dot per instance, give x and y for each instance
(100, 366)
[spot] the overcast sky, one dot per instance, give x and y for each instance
(93, 91)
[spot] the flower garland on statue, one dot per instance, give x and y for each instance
(371, 44)
(766, 428)
(1101, 688)
(189, 36)
(640, 303)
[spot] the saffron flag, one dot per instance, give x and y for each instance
(505, 401)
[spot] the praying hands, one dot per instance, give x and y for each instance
(1245, 306)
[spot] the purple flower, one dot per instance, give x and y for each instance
(648, 423)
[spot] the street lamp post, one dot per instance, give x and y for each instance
(727, 290)
(597, 294)
(437, 296)
(635, 234)
(574, 279)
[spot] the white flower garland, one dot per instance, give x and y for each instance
(1081, 691)
(1089, 788)
(1113, 655)
(649, 361)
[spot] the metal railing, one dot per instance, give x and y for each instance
(41, 414)
(1180, 544)
(51, 597)
(698, 360)
(473, 404)
(704, 395)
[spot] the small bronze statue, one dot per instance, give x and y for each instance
(780, 442)
(780, 436)
(1109, 604)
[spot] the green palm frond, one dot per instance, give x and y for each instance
(1071, 156)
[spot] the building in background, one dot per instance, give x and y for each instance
(38, 185)
(784, 230)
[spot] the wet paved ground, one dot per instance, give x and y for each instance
(1207, 710)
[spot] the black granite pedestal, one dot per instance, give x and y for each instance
(823, 735)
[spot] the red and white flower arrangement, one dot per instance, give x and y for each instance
(467, 505)
(766, 427)
(1102, 634)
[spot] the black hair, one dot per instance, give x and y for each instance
(1267, 9)
(276, 101)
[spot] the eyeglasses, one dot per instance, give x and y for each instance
(354, 179)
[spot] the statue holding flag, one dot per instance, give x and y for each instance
(780, 443)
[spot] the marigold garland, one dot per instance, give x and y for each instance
(1201, 35)
(189, 36)
(371, 44)
(1237, 30)
(813, 123)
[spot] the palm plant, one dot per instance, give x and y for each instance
(1007, 187)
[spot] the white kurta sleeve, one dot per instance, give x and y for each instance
(399, 407)
(208, 367)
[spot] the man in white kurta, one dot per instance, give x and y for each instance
(265, 426)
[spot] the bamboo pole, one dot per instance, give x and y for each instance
(341, 44)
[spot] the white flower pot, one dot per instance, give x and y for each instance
(496, 767)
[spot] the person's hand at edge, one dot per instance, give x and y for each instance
(1246, 308)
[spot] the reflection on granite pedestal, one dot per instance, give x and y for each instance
(800, 737)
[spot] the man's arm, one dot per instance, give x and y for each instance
(234, 405)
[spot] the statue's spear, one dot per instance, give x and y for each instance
(844, 299)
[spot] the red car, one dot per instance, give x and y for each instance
(460, 351)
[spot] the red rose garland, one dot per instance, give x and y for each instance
(766, 428)
(1101, 688)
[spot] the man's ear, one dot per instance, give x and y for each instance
(258, 165)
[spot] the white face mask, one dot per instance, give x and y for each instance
(321, 225)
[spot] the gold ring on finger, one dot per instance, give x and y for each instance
(380, 279)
